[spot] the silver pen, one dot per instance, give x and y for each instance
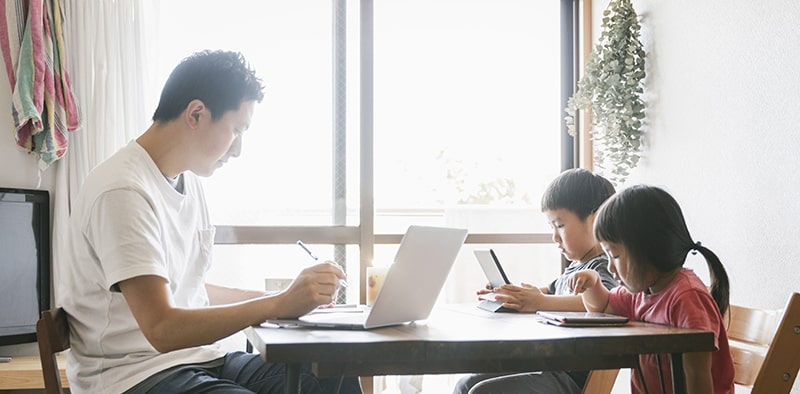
(342, 282)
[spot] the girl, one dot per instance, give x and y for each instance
(643, 231)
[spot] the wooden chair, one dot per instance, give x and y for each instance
(764, 345)
(52, 332)
(600, 381)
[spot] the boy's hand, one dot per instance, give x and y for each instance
(524, 298)
(583, 280)
(486, 290)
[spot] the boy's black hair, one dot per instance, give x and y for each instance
(650, 224)
(222, 80)
(577, 190)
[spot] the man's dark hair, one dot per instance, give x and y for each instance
(222, 80)
(577, 190)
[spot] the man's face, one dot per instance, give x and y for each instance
(220, 140)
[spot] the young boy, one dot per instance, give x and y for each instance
(569, 203)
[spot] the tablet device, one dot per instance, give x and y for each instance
(581, 319)
(494, 272)
(491, 267)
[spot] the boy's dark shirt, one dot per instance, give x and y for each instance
(560, 287)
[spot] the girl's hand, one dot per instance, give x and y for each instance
(593, 294)
(583, 280)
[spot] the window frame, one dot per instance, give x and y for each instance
(363, 235)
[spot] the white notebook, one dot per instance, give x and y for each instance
(412, 285)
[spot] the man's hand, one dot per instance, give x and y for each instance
(313, 287)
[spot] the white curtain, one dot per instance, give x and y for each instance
(111, 56)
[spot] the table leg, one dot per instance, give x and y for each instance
(292, 378)
(678, 379)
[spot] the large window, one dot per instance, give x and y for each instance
(466, 106)
(381, 115)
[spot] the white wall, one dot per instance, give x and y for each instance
(722, 85)
(723, 79)
(18, 170)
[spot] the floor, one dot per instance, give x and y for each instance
(437, 384)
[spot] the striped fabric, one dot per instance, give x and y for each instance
(43, 107)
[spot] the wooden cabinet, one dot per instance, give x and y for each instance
(25, 372)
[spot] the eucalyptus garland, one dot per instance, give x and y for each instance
(612, 87)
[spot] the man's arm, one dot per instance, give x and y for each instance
(168, 327)
(221, 295)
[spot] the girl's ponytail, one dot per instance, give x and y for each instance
(650, 223)
(720, 286)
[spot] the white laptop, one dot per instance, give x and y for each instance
(412, 285)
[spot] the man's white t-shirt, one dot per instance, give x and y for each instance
(128, 221)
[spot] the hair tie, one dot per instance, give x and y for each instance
(695, 247)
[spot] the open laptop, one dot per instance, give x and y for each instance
(412, 285)
(494, 272)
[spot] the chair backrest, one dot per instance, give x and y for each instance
(52, 332)
(764, 346)
(600, 381)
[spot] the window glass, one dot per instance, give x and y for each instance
(283, 176)
(466, 110)
(532, 264)
(248, 266)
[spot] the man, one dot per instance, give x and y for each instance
(141, 315)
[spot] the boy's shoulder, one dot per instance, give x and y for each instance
(598, 261)
(599, 264)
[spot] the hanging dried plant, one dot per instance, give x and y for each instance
(612, 87)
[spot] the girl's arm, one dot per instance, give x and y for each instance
(587, 283)
(697, 371)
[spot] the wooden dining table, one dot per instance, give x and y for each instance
(465, 339)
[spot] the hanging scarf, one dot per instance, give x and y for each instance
(42, 104)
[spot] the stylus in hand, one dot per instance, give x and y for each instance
(342, 282)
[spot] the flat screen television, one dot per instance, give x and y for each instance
(24, 262)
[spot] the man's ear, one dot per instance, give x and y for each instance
(194, 111)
